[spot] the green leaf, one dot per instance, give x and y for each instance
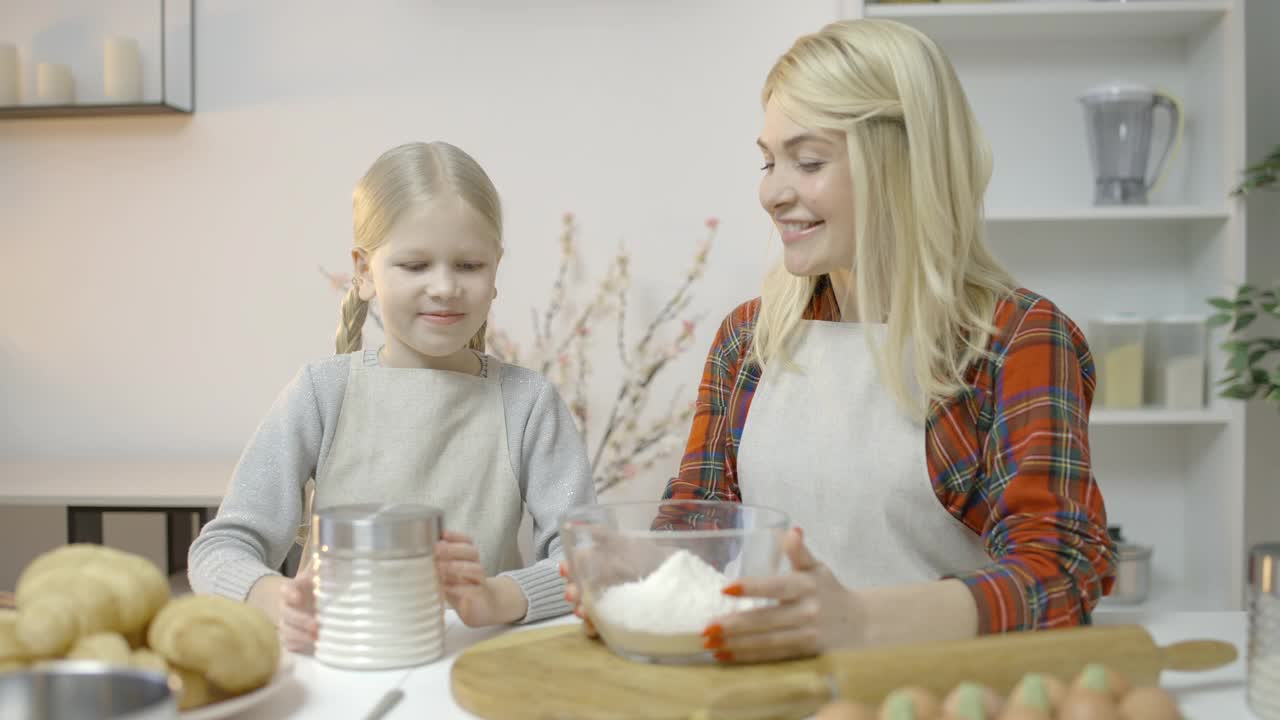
(1243, 320)
(1257, 355)
(1260, 378)
(1219, 320)
(1274, 395)
(1240, 392)
(1222, 303)
(1235, 346)
(1245, 291)
(1239, 361)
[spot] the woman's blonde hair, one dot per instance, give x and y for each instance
(405, 178)
(920, 166)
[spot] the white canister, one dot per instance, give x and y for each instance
(8, 74)
(378, 601)
(1264, 631)
(122, 70)
(54, 84)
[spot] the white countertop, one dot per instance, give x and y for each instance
(318, 691)
(116, 483)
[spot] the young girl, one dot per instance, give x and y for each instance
(923, 418)
(426, 418)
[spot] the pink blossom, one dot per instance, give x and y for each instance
(713, 223)
(568, 218)
(689, 325)
(628, 471)
(563, 359)
(584, 331)
(339, 281)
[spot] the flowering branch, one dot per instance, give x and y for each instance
(627, 445)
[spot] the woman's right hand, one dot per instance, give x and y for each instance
(571, 594)
(297, 613)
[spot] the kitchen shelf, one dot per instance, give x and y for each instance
(1134, 213)
(1154, 416)
(19, 112)
(1068, 19)
(171, 51)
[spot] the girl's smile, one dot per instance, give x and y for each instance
(442, 318)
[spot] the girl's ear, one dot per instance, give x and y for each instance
(361, 276)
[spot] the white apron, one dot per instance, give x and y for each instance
(408, 435)
(827, 444)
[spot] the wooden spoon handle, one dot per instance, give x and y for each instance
(1193, 655)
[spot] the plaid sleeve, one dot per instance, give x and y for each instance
(708, 470)
(1046, 526)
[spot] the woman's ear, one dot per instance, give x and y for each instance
(361, 276)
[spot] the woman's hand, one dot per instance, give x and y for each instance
(478, 600)
(814, 612)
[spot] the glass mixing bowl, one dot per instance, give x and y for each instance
(651, 574)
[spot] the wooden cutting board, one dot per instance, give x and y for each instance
(559, 673)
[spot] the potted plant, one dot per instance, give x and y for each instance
(1252, 368)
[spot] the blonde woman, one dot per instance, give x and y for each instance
(920, 416)
(426, 418)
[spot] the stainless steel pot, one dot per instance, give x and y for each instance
(1133, 571)
(84, 690)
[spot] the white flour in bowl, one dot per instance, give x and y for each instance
(681, 597)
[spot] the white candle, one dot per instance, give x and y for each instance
(122, 70)
(8, 74)
(54, 84)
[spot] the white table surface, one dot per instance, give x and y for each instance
(318, 691)
(116, 483)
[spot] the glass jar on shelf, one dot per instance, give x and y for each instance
(1118, 346)
(1176, 361)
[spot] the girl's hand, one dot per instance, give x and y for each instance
(814, 612)
(610, 560)
(477, 599)
(571, 594)
(297, 615)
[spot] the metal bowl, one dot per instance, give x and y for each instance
(84, 690)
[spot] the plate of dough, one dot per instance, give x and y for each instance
(89, 602)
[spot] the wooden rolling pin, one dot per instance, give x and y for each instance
(997, 661)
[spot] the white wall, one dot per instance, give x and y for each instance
(160, 279)
(1262, 518)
